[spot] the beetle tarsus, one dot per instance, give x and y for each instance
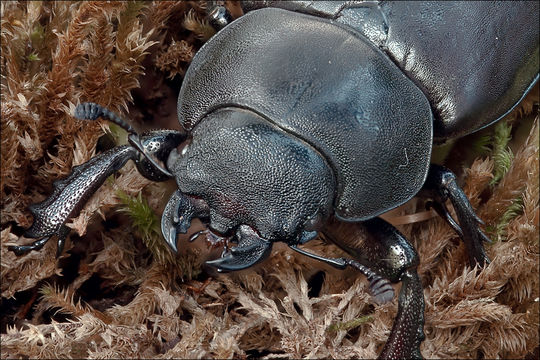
(25, 249)
(380, 288)
(62, 235)
(38, 244)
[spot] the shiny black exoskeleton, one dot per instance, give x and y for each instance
(301, 113)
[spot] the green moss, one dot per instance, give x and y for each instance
(481, 145)
(46, 290)
(147, 224)
(348, 325)
(501, 153)
(132, 10)
(119, 135)
(515, 209)
(33, 57)
(37, 36)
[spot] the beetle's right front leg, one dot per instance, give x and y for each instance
(69, 196)
(382, 249)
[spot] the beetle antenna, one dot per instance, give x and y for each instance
(92, 111)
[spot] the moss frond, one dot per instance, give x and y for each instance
(501, 153)
(515, 209)
(199, 26)
(481, 146)
(54, 297)
(348, 325)
(175, 58)
(148, 225)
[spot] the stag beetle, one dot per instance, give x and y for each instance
(301, 113)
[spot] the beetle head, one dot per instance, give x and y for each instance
(250, 172)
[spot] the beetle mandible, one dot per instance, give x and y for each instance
(299, 113)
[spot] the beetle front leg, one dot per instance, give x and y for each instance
(382, 249)
(441, 185)
(69, 196)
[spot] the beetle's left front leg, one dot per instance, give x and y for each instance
(70, 194)
(381, 249)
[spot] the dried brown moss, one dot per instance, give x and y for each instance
(112, 295)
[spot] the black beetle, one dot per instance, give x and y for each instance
(323, 110)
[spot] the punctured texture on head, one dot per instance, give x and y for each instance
(250, 172)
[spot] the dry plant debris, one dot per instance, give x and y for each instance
(115, 293)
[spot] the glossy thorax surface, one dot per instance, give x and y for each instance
(330, 88)
(474, 60)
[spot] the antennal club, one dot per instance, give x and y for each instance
(93, 111)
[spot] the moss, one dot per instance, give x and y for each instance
(147, 224)
(348, 325)
(118, 292)
(501, 153)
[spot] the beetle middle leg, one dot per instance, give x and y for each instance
(381, 248)
(441, 185)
